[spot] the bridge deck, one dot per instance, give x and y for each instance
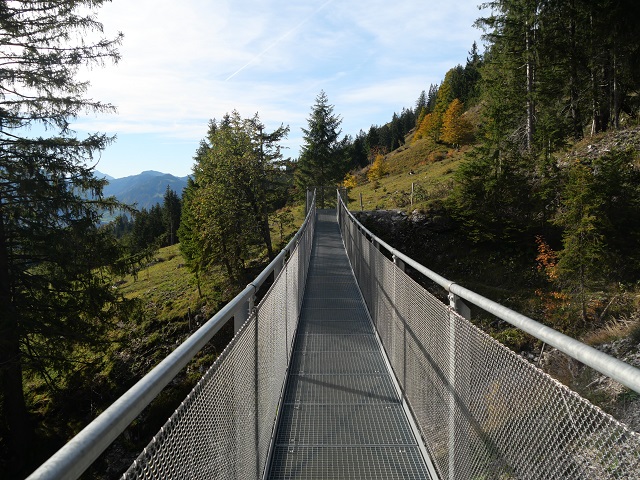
(342, 416)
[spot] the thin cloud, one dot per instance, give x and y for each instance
(278, 40)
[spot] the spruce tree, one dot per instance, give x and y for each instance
(321, 161)
(171, 210)
(54, 294)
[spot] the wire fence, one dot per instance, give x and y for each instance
(224, 428)
(483, 411)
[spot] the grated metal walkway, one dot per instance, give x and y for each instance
(341, 414)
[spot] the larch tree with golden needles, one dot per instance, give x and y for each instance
(455, 127)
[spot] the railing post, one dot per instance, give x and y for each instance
(452, 387)
(401, 267)
(242, 314)
(256, 401)
(455, 449)
(277, 268)
(399, 263)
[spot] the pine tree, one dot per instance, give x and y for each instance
(321, 161)
(54, 294)
(188, 232)
(421, 102)
(580, 262)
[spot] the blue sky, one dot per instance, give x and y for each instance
(186, 62)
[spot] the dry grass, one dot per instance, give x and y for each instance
(613, 330)
(429, 168)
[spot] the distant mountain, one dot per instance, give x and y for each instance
(98, 174)
(145, 189)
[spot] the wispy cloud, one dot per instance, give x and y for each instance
(279, 40)
(183, 63)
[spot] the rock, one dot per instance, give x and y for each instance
(417, 217)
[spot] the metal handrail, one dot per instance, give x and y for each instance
(82, 450)
(603, 363)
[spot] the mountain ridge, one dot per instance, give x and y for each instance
(143, 190)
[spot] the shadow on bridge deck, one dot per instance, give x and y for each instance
(341, 415)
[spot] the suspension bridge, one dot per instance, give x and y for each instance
(348, 368)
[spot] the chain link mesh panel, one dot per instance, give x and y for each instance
(224, 427)
(483, 411)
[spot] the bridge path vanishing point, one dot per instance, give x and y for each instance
(342, 414)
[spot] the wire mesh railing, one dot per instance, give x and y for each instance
(224, 428)
(483, 411)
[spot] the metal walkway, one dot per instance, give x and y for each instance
(342, 416)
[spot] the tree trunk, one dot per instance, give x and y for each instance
(14, 411)
(574, 81)
(596, 121)
(616, 91)
(530, 87)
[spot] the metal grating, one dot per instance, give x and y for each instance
(356, 463)
(339, 363)
(340, 389)
(363, 424)
(342, 416)
(338, 343)
(325, 327)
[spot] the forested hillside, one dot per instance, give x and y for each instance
(535, 187)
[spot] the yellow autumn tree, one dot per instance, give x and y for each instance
(378, 169)
(429, 127)
(350, 181)
(456, 129)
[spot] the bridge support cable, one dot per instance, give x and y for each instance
(482, 410)
(217, 432)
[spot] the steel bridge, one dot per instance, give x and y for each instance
(349, 369)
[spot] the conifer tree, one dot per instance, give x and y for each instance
(455, 127)
(171, 210)
(53, 291)
(227, 204)
(580, 262)
(321, 161)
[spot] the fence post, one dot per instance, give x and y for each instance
(256, 391)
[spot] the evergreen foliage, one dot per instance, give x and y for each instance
(227, 205)
(322, 157)
(55, 261)
(171, 211)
